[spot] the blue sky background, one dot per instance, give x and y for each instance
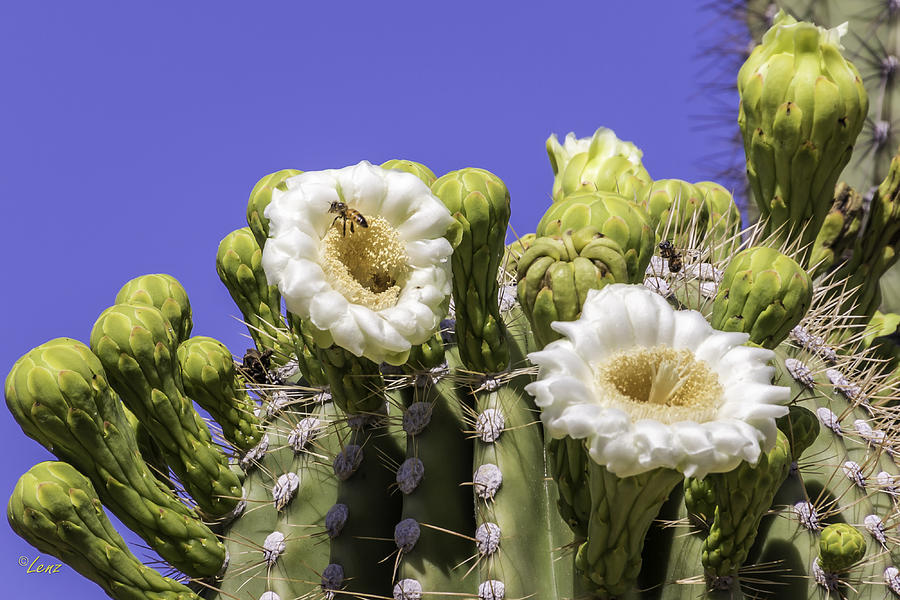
(133, 132)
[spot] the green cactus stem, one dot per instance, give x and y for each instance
(622, 510)
(741, 498)
(238, 265)
(366, 539)
(209, 378)
(479, 201)
(280, 541)
(839, 229)
(150, 450)
(260, 197)
(164, 293)
(517, 524)
(432, 482)
(355, 382)
(137, 348)
(55, 508)
(59, 396)
(875, 251)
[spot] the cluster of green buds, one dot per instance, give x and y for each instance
(638, 400)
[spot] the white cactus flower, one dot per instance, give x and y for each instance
(647, 386)
(377, 290)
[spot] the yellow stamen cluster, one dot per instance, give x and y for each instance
(659, 383)
(367, 266)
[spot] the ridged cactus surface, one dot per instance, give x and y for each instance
(638, 400)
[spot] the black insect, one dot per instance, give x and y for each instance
(256, 365)
(668, 251)
(347, 214)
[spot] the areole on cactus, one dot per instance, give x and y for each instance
(438, 413)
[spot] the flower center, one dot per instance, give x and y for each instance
(660, 383)
(367, 266)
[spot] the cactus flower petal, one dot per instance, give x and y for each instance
(648, 386)
(375, 286)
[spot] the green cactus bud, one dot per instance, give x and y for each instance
(209, 378)
(618, 219)
(724, 225)
(555, 275)
(881, 338)
(839, 231)
(260, 196)
(876, 249)
(514, 252)
(165, 293)
(408, 166)
(479, 201)
(568, 465)
(426, 356)
(137, 348)
(840, 547)
(600, 163)
(59, 395)
(238, 263)
(150, 450)
(700, 500)
(55, 508)
(742, 498)
(663, 196)
(305, 350)
(802, 107)
(764, 293)
(801, 428)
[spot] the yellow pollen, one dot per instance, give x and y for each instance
(660, 383)
(367, 266)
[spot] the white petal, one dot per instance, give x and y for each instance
(363, 187)
(374, 326)
(347, 334)
(402, 318)
(651, 317)
(716, 345)
(608, 316)
(690, 330)
(431, 221)
(301, 281)
(561, 358)
(424, 253)
(327, 308)
(404, 197)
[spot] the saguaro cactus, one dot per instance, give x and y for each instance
(635, 401)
